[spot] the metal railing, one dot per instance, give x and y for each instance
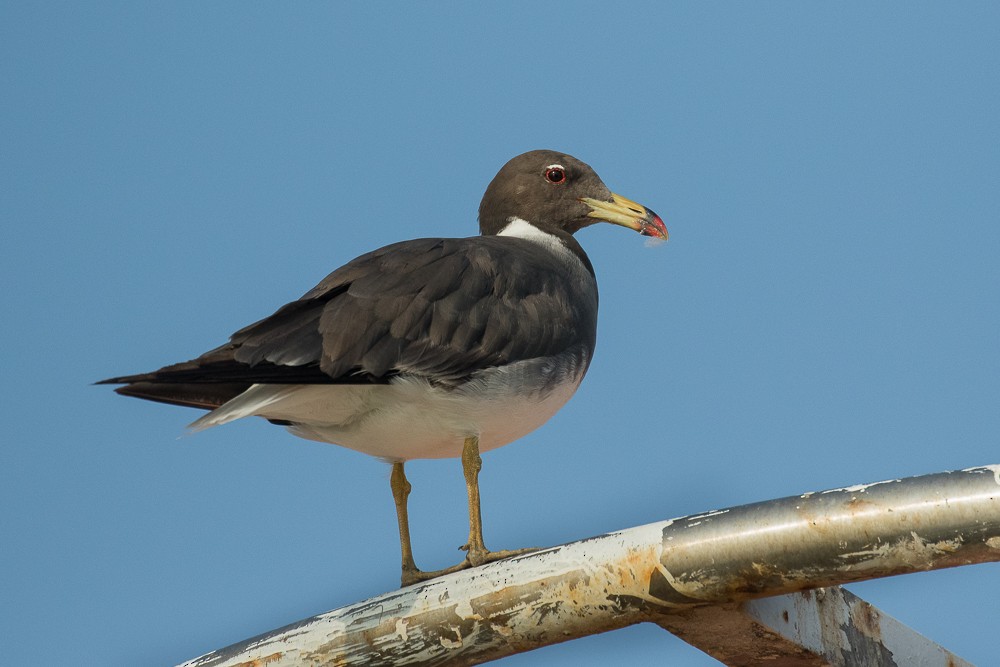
(701, 577)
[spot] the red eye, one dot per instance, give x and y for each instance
(555, 174)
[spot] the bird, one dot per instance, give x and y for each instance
(428, 348)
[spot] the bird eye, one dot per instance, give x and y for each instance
(555, 174)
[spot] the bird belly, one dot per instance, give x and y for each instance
(410, 418)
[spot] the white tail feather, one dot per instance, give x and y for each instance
(251, 402)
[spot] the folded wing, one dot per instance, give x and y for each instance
(439, 308)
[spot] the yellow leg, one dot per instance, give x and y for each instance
(478, 554)
(472, 463)
(400, 492)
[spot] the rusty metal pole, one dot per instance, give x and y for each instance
(651, 573)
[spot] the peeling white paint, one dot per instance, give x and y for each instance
(706, 515)
(915, 550)
(465, 611)
(995, 469)
(401, 629)
(858, 488)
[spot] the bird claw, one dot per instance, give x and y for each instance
(415, 576)
(492, 556)
(473, 558)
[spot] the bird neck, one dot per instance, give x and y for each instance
(554, 238)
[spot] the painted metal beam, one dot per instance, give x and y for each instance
(650, 573)
(827, 627)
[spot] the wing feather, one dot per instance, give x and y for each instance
(439, 307)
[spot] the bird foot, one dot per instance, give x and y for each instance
(415, 576)
(481, 555)
(475, 557)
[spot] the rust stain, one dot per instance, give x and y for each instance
(576, 595)
(260, 662)
(867, 620)
(637, 568)
(858, 503)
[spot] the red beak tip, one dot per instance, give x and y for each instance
(655, 228)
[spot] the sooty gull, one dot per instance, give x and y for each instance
(430, 348)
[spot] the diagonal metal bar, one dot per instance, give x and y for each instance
(652, 572)
(827, 627)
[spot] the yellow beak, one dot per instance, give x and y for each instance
(627, 213)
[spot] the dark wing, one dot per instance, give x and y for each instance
(442, 308)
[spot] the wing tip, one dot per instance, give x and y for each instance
(122, 379)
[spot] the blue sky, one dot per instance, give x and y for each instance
(826, 312)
